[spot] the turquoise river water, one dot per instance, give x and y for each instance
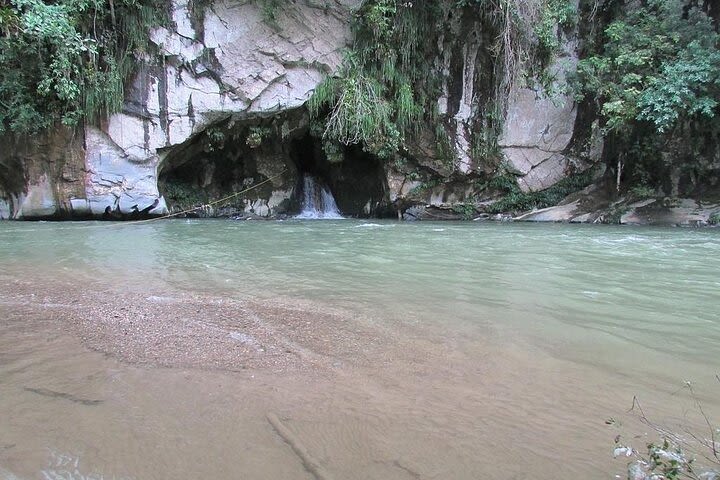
(388, 350)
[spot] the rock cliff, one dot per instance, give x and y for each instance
(219, 105)
(219, 64)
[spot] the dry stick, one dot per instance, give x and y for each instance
(644, 419)
(707, 421)
(310, 464)
(676, 438)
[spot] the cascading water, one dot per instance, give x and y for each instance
(318, 201)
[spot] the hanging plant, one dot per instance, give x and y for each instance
(256, 136)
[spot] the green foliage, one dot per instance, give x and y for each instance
(515, 200)
(444, 146)
(670, 461)
(359, 111)
(68, 59)
(269, 9)
(373, 101)
(642, 191)
(654, 79)
(215, 138)
(714, 218)
(555, 15)
(425, 186)
(687, 87)
(333, 151)
(466, 210)
(184, 195)
(256, 136)
(659, 64)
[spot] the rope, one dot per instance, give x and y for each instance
(206, 205)
(175, 214)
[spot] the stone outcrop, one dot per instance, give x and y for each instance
(41, 176)
(592, 205)
(539, 127)
(225, 62)
(536, 134)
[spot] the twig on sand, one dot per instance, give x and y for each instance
(310, 464)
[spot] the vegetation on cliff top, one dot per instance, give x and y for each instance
(69, 59)
(653, 76)
(391, 81)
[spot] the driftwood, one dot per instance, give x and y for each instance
(310, 464)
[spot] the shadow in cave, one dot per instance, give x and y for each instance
(354, 177)
(12, 182)
(216, 164)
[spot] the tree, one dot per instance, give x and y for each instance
(69, 59)
(654, 79)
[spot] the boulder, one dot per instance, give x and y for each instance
(539, 127)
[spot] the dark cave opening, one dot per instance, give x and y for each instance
(309, 157)
(218, 163)
(355, 177)
(225, 159)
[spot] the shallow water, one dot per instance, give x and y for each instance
(456, 350)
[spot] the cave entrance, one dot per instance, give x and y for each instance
(355, 178)
(221, 163)
(227, 158)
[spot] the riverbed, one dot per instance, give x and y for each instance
(385, 350)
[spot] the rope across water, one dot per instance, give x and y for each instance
(183, 212)
(206, 205)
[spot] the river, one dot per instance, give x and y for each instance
(387, 350)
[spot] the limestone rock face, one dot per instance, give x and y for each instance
(224, 62)
(232, 64)
(41, 176)
(115, 180)
(538, 129)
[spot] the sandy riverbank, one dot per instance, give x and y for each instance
(145, 382)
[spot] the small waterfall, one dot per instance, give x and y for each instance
(317, 202)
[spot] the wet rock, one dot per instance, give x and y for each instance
(413, 213)
(680, 212)
(560, 213)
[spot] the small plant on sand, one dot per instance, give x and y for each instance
(689, 455)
